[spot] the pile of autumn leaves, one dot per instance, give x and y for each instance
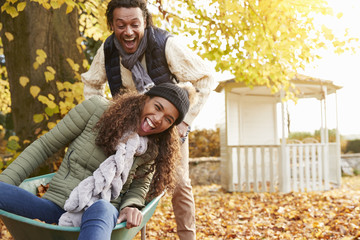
(333, 214)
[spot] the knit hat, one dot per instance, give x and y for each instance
(178, 96)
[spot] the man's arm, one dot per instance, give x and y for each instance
(187, 66)
(95, 78)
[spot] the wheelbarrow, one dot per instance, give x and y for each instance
(22, 228)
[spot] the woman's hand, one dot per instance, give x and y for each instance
(131, 215)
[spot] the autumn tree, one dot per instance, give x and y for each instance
(259, 42)
(41, 54)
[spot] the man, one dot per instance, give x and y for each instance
(138, 55)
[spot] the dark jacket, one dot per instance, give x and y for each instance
(156, 63)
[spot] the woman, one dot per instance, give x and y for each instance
(93, 131)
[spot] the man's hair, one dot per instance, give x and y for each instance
(128, 4)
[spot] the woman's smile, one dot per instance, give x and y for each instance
(157, 116)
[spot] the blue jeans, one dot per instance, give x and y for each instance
(97, 222)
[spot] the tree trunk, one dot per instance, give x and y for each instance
(53, 31)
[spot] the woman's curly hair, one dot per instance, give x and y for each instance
(166, 162)
(123, 115)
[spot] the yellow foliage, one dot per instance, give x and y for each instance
(297, 215)
(69, 9)
(5, 100)
(24, 81)
(48, 102)
(14, 138)
(34, 90)
(47, 6)
(85, 64)
(49, 76)
(77, 76)
(21, 6)
(73, 65)
(51, 69)
(38, 118)
(55, 4)
(60, 86)
(41, 53)
(67, 85)
(70, 2)
(50, 125)
(339, 15)
(51, 97)
(51, 104)
(327, 32)
(65, 107)
(36, 65)
(9, 9)
(204, 143)
(40, 58)
(80, 48)
(93, 23)
(79, 40)
(9, 36)
(259, 42)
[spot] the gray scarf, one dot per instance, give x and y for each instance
(140, 77)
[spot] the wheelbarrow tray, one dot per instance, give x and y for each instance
(22, 228)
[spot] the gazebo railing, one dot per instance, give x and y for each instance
(309, 169)
(253, 168)
(259, 168)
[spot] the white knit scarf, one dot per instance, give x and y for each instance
(107, 180)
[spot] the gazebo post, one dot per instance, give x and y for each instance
(338, 146)
(326, 133)
(322, 137)
(325, 157)
(284, 165)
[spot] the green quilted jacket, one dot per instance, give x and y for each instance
(82, 158)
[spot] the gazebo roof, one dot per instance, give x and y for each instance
(309, 87)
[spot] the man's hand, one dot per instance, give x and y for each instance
(182, 129)
(131, 215)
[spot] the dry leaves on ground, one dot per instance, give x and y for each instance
(333, 214)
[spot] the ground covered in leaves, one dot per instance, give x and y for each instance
(333, 214)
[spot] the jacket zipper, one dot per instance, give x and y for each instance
(68, 164)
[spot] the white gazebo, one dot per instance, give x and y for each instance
(253, 155)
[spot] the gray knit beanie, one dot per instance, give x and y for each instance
(178, 96)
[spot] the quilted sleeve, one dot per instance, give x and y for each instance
(60, 136)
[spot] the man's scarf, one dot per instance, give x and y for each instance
(131, 61)
(106, 182)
